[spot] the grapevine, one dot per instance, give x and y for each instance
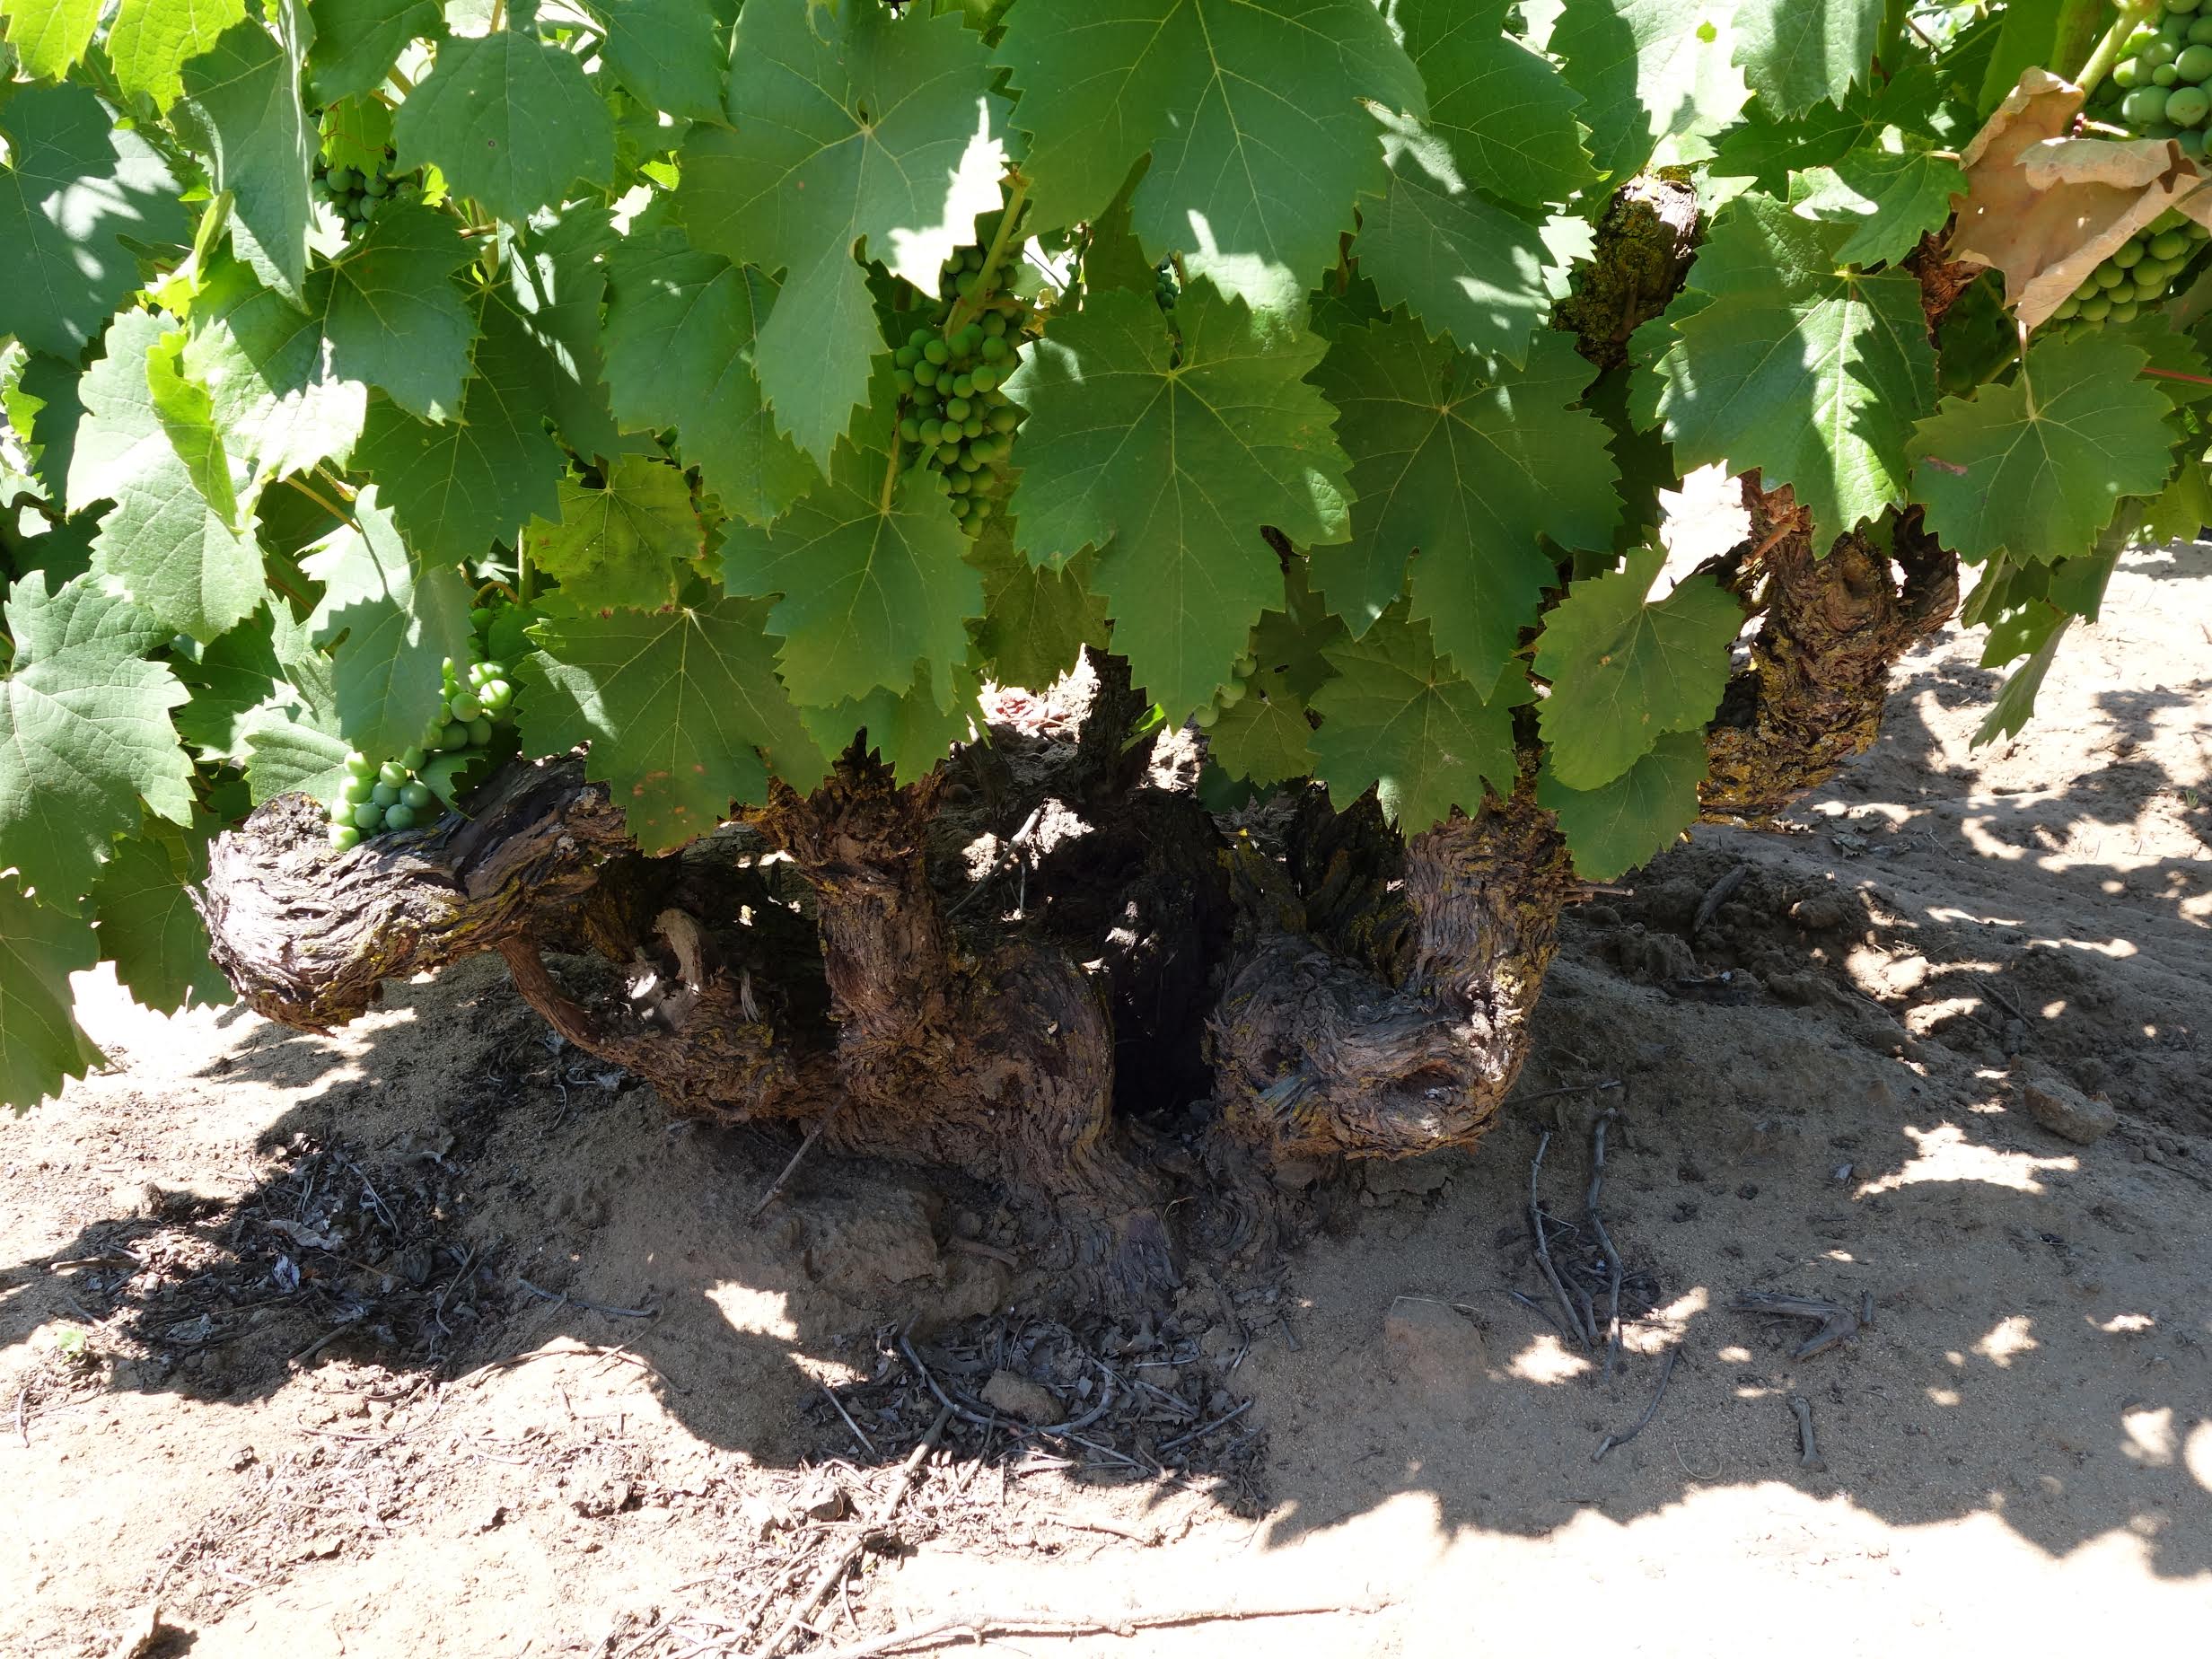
(399, 407)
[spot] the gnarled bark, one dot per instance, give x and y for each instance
(1318, 1055)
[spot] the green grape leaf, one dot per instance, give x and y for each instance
(1891, 191)
(165, 547)
(1291, 641)
(1263, 738)
(290, 389)
(41, 1045)
(392, 315)
(50, 36)
(1617, 826)
(875, 129)
(2015, 702)
(680, 327)
(274, 394)
(76, 186)
(186, 414)
(48, 620)
(553, 289)
(295, 749)
(1255, 113)
(354, 131)
(511, 120)
(1168, 460)
(1503, 109)
(681, 709)
(454, 489)
(2184, 507)
(1784, 361)
(1398, 720)
(1794, 53)
(392, 623)
(1624, 672)
(620, 544)
(357, 42)
(232, 680)
(872, 585)
(44, 408)
(1500, 122)
(1036, 619)
(1472, 271)
(152, 39)
(2038, 477)
(85, 738)
(1655, 76)
(672, 53)
(241, 110)
(910, 733)
(148, 927)
(1470, 465)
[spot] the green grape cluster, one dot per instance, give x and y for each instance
(2162, 86)
(381, 796)
(2140, 272)
(1230, 695)
(359, 197)
(952, 410)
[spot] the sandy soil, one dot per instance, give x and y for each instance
(429, 1339)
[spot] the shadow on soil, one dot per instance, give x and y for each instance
(1816, 1090)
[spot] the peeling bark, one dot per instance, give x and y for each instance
(1643, 249)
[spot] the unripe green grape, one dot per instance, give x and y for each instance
(2110, 276)
(905, 356)
(2098, 309)
(345, 838)
(479, 731)
(412, 759)
(956, 409)
(2130, 73)
(973, 427)
(398, 818)
(359, 763)
(466, 707)
(994, 326)
(416, 796)
(903, 378)
(959, 482)
(498, 695)
(455, 736)
(2169, 245)
(343, 180)
(911, 429)
(967, 461)
(2128, 253)
(2067, 310)
(919, 340)
(356, 790)
(2144, 105)
(2124, 310)
(376, 184)
(384, 794)
(947, 453)
(936, 351)
(1004, 419)
(964, 284)
(994, 347)
(368, 818)
(928, 432)
(2192, 142)
(925, 372)
(2145, 289)
(480, 617)
(391, 772)
(2182, 5)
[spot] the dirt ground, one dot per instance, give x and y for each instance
(431, 1338)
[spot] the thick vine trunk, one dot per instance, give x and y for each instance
(1835, 623)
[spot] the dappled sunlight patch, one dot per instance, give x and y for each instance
(2007, 1341)
(2147, 1437)
(2127, 1324)
(2197, 1454)
(754, 1313)
(1547, 1361)
(1946, 1154)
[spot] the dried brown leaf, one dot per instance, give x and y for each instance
(2046, 208)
